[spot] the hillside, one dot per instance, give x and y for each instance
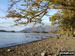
(38, 29)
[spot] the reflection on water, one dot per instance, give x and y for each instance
(9, 39)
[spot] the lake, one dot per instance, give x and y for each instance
(10, 39)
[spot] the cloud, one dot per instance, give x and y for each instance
(15, 28)
(4, 22)
(6, 25)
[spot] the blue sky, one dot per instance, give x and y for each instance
(6, 23)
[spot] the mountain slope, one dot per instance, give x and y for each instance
(38, 29)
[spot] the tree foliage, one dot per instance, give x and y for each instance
(65, 20)
(34, 10)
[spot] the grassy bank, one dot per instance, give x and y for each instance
(47, 47)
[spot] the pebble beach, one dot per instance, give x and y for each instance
(46, 47)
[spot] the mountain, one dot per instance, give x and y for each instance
(38, 29)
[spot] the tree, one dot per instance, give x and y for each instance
(65, 21)
(34, 10)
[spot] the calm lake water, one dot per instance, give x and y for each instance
(10, 39)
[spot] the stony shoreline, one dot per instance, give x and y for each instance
(46, 47)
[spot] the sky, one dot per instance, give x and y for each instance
(5, 24)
